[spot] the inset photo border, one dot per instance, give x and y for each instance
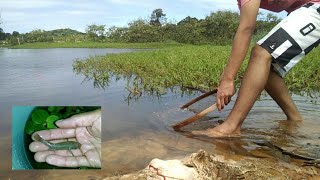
(56, 137)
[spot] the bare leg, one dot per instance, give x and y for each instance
(277, 89)
(254, 81)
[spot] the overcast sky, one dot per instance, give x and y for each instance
(27, 15)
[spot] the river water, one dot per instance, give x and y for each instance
(137, 131)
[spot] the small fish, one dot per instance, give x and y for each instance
(67, 145)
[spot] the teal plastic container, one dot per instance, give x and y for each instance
(20, 115)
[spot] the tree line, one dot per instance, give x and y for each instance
(216, 28)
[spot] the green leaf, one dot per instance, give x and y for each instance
(39, 116)
(38, 127)
(44, 118)
(52, 108)
(50, 121)
(59, 108)
(57, 114)
(29, 127)
(68, 114)
(55, 109)
(69, 109)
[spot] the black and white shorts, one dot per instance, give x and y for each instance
(293, 38)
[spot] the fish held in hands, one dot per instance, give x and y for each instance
(67, 145)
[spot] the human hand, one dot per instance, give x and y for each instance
(83, 128)
(226, 90)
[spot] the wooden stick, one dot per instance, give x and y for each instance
(179, 125)
(199, 98)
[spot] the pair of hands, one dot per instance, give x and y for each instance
(226, 90)
(84, 128)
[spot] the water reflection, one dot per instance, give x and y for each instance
(102, 83)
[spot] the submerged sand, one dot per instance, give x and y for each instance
(152, 155)
(205, 166)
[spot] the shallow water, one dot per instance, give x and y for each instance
(136, 133)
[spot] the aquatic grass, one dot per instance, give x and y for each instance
(188, 65)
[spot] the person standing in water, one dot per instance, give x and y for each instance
(271, 58)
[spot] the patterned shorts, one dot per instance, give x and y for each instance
(293, 38)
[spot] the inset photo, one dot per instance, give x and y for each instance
(56, 137)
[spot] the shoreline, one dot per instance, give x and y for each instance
(202, 165)
(46, 45)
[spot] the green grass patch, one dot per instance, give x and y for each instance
(156, 70)
(42, 45)
(188, 65)
(305, 76)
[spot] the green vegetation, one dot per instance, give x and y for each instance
(96, 45)
(189, 65)
(304, 77)
(153, 71)
(217, 28)
(176, 62)
(4, 44)
(43, 118)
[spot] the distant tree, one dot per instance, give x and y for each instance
(2, 35)
(190, 30)
(170, 31)
(266, 22)
(220, 26)
(187, 20)
(15, 33)
(157, 18)
(217, 28)
(141, 31)
(118, 34)
(96, 32)
(272, 18)
(64, 32)
(38, 36)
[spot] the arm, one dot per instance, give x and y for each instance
(248, 16)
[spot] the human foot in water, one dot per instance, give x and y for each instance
(223, 130)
